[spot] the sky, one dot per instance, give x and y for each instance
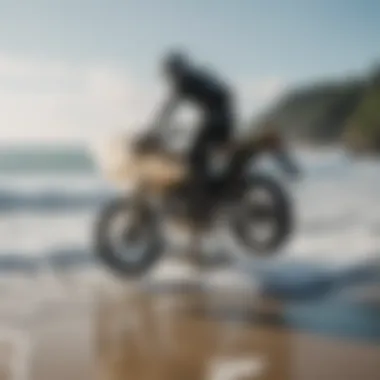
(74, 70)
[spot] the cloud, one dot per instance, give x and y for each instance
(17, 67)
(42, 100)
(48, 100)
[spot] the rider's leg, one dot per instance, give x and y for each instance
(199, 160)
(221, 134)
(210, 135)
(213, 132)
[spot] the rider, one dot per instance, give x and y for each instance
(211, 96)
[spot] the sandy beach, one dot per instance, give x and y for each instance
(181, 335)
(90, 326)
(46, 331)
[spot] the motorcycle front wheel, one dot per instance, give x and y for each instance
(262, 221)
(127, 238)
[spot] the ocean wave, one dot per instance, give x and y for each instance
(56, 259)
(52, 200)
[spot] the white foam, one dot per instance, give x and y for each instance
(338, 216)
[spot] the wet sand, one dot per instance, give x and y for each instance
(5, 359)
(45, 339)
(63, 346)
(60, 351)
(122, 330)
(145, 336)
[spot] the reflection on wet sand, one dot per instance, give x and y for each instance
(184, 336)
(5, 360)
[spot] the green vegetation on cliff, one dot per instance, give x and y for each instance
(362, 132)
(345, 111)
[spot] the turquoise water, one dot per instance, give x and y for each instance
(45, 160)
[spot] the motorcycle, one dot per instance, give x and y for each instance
(162, 191)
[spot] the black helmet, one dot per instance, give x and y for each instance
(175, 62)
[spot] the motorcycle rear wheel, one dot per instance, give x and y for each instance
(247, 215)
